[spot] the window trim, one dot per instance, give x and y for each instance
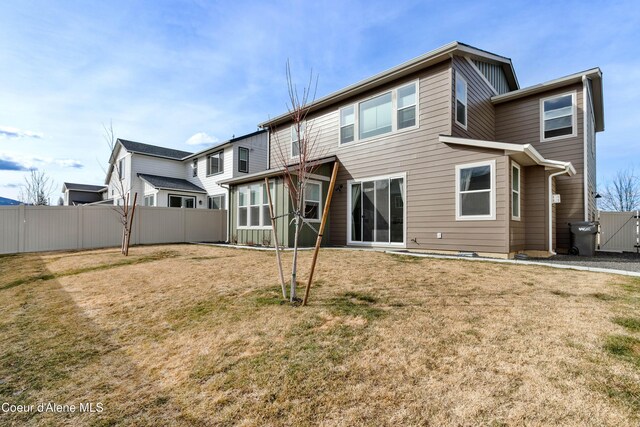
(492, 193)
(515, 165)
(458, 76)
(394, 116)
(224, 201)
(350, 182)
(220, 158)
(195, 200)
(574, 118)
(151, 197)
(246, 150)
(304, 201)
(249, 205)
(121, 166)
(303, 128)
(194, 168)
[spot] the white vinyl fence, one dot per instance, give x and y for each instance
(48, 228)
(619, 231)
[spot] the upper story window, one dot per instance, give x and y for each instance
(215, 163)
(475, 191)
(312, 201)
(150, 200)
(558, 115)
(379, 115)
(121, 169)
(243, 159)
(461, 101)
(295, 134)
(195, 167)
(515, 191)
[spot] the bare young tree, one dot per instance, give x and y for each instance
(298, 164)
(622, 193)
(125, 212)
(37, 188)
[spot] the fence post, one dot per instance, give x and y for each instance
(21, 227)
(184, 225)
(80, 243)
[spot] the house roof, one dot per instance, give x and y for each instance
(169, 183)
(524, 154)
(271, 172)
(83, 187)
(594, 74)
(223, 144)
(153, 150)
(428, 59)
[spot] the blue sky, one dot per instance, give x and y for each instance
(169, 72)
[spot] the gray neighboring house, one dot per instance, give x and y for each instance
(82, 194)
(444, 153)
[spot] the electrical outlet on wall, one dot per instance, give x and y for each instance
(438, 235)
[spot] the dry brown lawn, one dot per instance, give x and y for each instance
(197, 335)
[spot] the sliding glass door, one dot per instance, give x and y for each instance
(376, 209)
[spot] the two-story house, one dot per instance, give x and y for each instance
(166, 177)
(444, 153)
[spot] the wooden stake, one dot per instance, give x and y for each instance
(125, 210)
(325, 214)
(133, 211)
(275, 239)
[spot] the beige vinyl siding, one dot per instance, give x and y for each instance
(517, 234)
(591, 155)
(518, 121)
(480, 111)
(429, 166)
(536, 211)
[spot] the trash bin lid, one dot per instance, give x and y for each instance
(584, 227)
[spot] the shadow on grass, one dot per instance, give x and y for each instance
(51, 351)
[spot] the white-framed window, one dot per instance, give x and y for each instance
(253, 206)
(376, 211)
(387, 112)
(476, 191)
(121, 169)
(347, 124)
(295, 144)
(179, 201)
(461, 101)
(216, 202)
(243, 159)
(150, 200)
(194, 167)
(516, 179)
(215, 164)
(313, 201)
(558, 117)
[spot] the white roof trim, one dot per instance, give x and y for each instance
(510, 148)
(562, 81)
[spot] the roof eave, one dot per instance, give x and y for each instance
(428, 59)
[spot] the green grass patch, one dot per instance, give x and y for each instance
(405, 258)
(357, 305)
(631, 323)
(624, 347)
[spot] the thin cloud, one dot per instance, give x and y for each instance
(11, 185)
(14, 133)
(10, 165)
(201, 138)
(69, 163)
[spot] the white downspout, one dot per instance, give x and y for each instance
(585, 170)
(551, 251)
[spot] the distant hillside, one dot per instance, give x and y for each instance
(8, 202)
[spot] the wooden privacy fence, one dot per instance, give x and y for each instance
(619, 231)
(48, 228)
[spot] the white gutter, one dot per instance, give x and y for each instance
(585, 169)
(551, 176)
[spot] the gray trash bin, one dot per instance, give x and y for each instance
(583, 238)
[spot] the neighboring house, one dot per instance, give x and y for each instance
(167, 177)
(82, 194)
(443, 153)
